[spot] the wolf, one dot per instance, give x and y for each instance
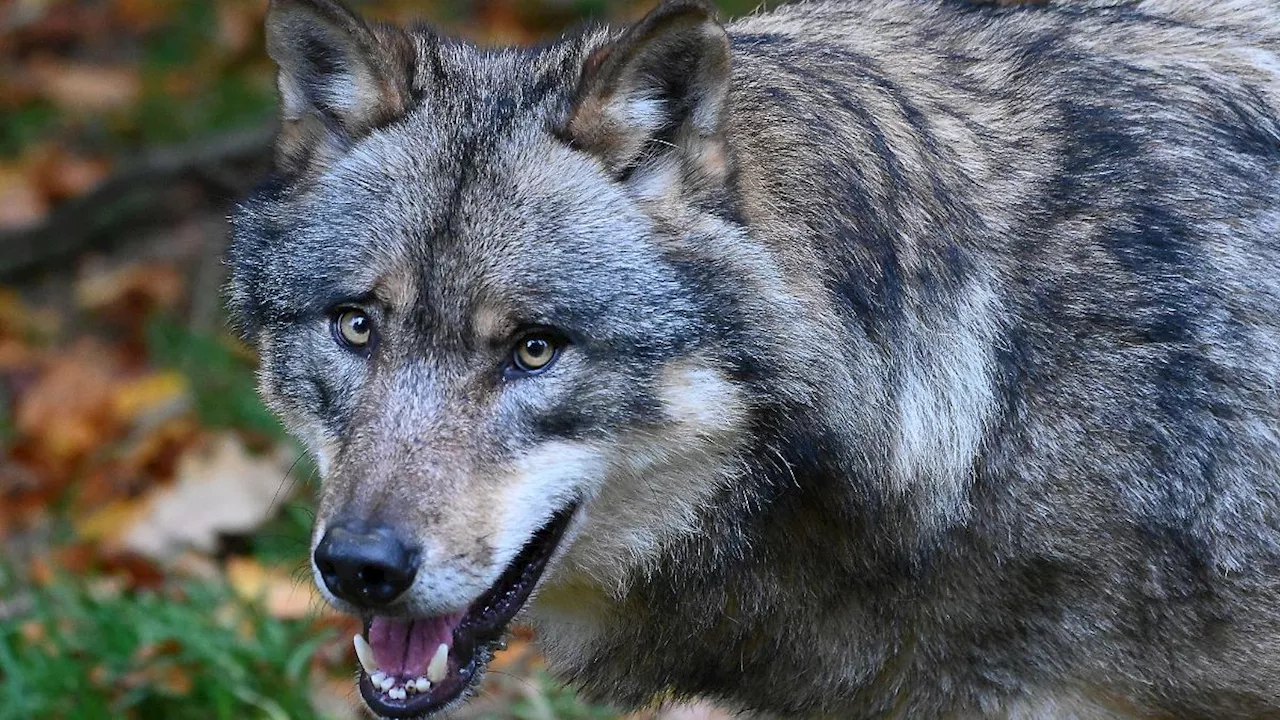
(894, 359)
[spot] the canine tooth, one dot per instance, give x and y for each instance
(436, 670)
(397, 693)
(364, 654)
(421, 684)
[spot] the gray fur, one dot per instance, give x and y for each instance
(981, 307)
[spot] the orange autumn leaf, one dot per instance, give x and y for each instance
(68, 412)
(281, 594)
(162, 393)
(109, 522)
(519, 654)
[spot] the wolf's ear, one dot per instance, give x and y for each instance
(660, 88)
(338, 77)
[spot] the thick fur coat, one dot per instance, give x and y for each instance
(919, 357)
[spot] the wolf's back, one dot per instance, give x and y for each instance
(1049, 237)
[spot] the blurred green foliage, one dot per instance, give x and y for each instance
(86, 652)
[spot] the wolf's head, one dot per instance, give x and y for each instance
(500, 296)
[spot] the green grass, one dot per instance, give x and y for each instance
(80, 649)
(192, 651)
(221, 378)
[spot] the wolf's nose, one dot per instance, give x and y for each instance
(366, 566)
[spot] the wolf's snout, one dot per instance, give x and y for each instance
(366, 565)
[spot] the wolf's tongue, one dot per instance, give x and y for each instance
(405, 647)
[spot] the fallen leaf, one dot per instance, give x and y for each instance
(22, 204)
(520, 655)
(68, 411)
(62, 175)
(136, 289)
(41, 571)
(81, 87)
(281, 594)
(109, 521)
(151, 651)
(162, 394)
(220, 489)
(143, 15)
(20, 321)
(168, 677)
(33, 631)
(238, 25)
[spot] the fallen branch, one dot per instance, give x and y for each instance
(140, 192)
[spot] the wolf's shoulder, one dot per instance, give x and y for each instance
(936, 19)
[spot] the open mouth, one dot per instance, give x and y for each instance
(412, 667)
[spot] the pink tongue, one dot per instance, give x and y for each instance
(405, 647)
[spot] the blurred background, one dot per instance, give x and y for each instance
(153, 516)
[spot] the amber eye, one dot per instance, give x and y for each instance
(534, 353)
(353, 327)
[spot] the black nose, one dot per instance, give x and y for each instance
(366, 566)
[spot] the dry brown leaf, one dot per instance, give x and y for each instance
(135, 288)
(143, 15)
(220, 489)
(168, 677)
(69, 410)
(62, 175)
(131, 570)
(109, 521)
(281, 594)
(21, 321)
(163, 394)
(22, 204)
(17, 356)
(77, 87)
(238, 24)
(146, 460)
(520, 656)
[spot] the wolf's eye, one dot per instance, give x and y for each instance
(535, 353)
(353, 327)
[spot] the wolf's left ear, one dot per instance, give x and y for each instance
(338, 76)
(660, 88)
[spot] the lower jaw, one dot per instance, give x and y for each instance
(452, 689)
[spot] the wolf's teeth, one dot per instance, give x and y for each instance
(436, 670)
(421, 685)
(364, 654)
(397, 693)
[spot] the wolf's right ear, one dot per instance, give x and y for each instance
(660, 88)
(338, 77)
